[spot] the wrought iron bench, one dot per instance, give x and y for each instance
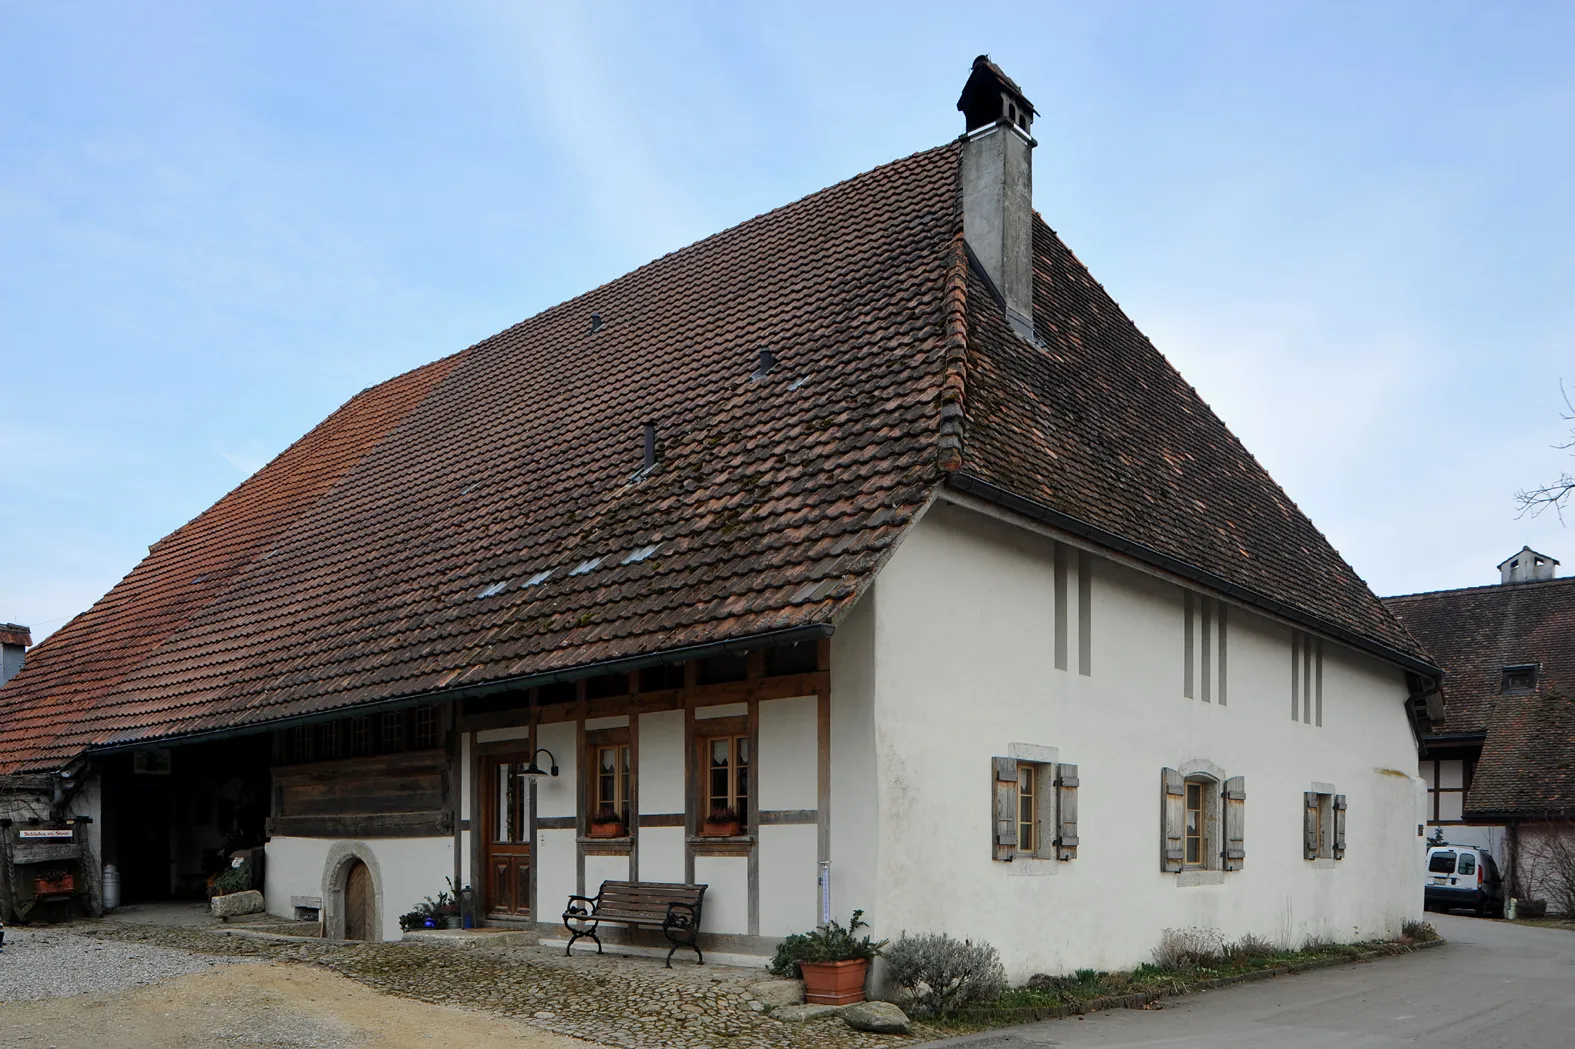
(669, 906)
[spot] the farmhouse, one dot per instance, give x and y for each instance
(864, 555)
(1498, 769)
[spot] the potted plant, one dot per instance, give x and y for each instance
(606, 824)
(723, 822)
(832, 960)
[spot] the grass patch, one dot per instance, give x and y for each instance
(1198, 970)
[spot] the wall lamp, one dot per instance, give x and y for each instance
(534, 769)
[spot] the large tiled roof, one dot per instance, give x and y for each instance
(1477, 632)
(1527, 765)
(487, 518)
(1099, 426)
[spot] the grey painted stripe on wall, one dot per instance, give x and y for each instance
(1296, 663)
(1085, 614)
(1208, 646)
(1187, 644)
(1060, 606)
(1221, 609)
(1318, 685)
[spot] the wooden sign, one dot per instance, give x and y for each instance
(52, 834)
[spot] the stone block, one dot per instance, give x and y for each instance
(778, 992)
(235, 903)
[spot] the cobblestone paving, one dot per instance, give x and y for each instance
(619, 1001)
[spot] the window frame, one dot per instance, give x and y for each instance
(737, 801)
(622, 780)
(1208, 810)
(625, 778)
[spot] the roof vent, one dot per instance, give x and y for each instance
(1522, 678)
(596, 323)
(768, 360)
(1527, 566)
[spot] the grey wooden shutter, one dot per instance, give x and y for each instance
(1005, 782)
(1339, 826)
(1066, 812)
(1234, 854)
(1310, 826)
(1173, 815)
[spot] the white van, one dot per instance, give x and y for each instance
(1463, 876)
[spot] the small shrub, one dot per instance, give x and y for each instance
(1084, 982)
(1248, 947)
(1421, 932)
(231, 879)
(830, 944)
(1190, 948)
(936, 975)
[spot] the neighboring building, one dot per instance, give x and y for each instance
(14, 643)
(871, 524)
(1500, 770)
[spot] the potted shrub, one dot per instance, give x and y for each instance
(723, 822)
(833, 961)
(606, 824)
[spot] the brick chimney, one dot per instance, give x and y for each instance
(998, 187)
(14, 642)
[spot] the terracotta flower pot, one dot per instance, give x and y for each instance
(720, 829)
(834, 983)
(606, 830)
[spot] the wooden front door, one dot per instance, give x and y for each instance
(360, 905)
(507, 811)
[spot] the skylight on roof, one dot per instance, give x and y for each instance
(495, 589)
(585, 566)
(539, 577)
(640, 554)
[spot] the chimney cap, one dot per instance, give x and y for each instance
(1526, 566)
(15, 634)
(990, 95)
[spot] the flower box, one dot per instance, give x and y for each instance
(606, 830)
(834, 983)
(721, 828)
(62, 883)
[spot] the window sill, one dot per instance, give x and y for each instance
(622, 841)
(721, 839)
(1189, 879)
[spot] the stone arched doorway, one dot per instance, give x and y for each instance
(360, 903)
(352, 893)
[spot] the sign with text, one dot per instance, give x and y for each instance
(49, 834)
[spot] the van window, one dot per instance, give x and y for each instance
(1441, 863)
(1468, 864)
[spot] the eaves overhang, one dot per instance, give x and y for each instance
(624, 665)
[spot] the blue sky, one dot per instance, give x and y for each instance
(1352, 227)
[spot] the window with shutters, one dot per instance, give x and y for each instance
(1035, 809)
(1323, 825)
(1202, 822)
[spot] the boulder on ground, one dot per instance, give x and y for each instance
(876, 1017)
(232, 904)
(800, 1013)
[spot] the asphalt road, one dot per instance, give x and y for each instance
(1493, 986)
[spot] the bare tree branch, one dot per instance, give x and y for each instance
(1533, 501)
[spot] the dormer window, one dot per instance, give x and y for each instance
(1522, 678)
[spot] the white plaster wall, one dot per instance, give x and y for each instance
(556, 879)
(726, 878)
(556, 795)
(662, 854)
(408, 870)
(788, 871)
(789, 755)
(604, 868)
(963, 667)
(661, 770)
(855, 788)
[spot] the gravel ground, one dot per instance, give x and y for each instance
(52, 964)
(629, 1002)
